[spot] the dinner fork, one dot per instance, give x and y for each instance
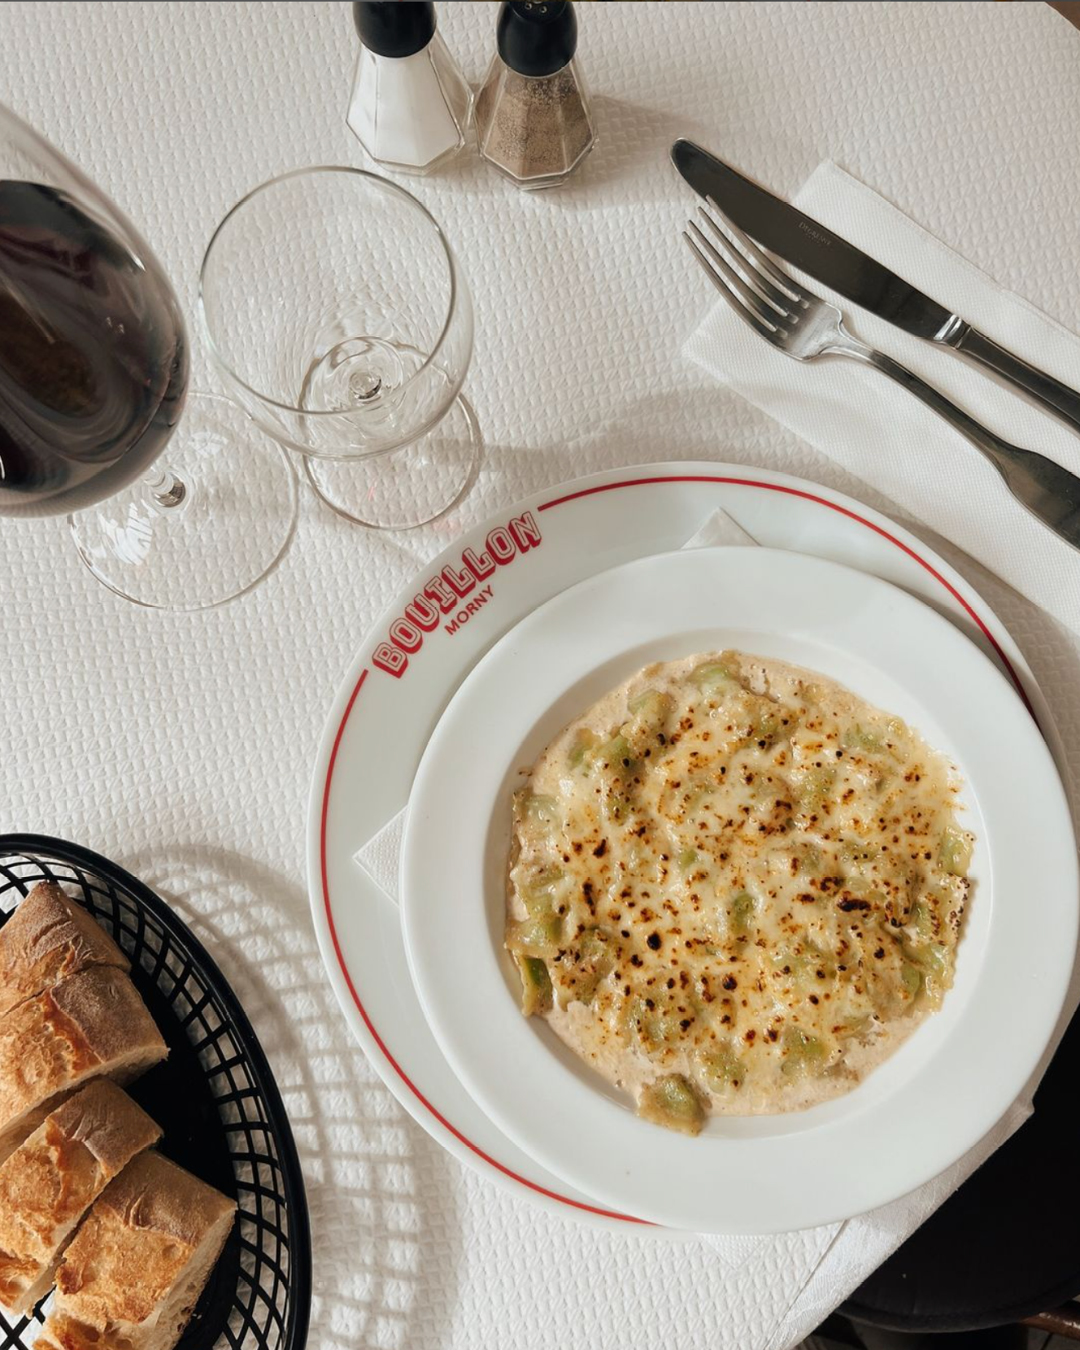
(804, 326)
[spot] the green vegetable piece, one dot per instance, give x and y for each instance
(542, 892)
(687, 858)
(535, 984)
(615, 756)
(672, 1102)
(921, 919)
(803, 966)
(935, 963)
(713, 677)
(537, 816)
(955, 851)
(855, 855)
(815, 788)
(765, 723)
(759, 717)
(651, 708)
(854, 1026)
(537, 902)
(594, 946)
(911, 977)
(741, 911)
(936, 960)
(932, 959)
(857, 738)
(803, 1054)
(650, 712)
(595, 961)
(806, 857)
(585, 742)
(535, 937)
(653, 1027)
(615, 762)
(721, 1069)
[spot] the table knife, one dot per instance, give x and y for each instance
(816, 250)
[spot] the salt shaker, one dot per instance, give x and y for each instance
(532, 114)
(410, 103)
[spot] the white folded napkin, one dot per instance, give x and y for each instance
(885, 436)
(796, 1279)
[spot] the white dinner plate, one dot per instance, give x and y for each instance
(948, 1083)
(379, 724)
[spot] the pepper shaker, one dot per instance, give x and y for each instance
(410, 103)
(532, 114)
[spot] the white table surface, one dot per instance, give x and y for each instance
(181, 746)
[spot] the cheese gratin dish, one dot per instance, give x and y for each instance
(735, 887)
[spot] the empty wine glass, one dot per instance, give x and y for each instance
(340, 322)
(93, 378)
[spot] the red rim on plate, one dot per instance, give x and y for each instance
(552, 504)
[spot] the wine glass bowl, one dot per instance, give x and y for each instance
(93, 352)
(94, 368)
(340, 322)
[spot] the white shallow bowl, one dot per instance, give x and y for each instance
(942, 1090)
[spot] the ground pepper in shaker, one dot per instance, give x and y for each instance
(532, 114)
(410, 103)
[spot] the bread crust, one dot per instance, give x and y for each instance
(92, 1024)
(50, 1181)
(49, 938)
(147, 1233)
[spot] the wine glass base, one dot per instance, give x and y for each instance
(232, 521)
(407, 487)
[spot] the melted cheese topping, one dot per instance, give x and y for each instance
(735, 887)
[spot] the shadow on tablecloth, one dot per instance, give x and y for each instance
(382, 1261)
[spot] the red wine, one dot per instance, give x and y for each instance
(93, 356)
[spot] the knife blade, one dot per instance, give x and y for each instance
(813, 248)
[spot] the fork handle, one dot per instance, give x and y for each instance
(1056, 397)
(1050, 493)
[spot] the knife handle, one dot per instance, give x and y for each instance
(1056, 397)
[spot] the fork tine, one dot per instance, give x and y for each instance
(786, 283)
(750, 297)
(751, 317)
(779, 299)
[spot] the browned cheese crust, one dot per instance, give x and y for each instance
(735, 887)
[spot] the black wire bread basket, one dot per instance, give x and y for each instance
(215, 1097)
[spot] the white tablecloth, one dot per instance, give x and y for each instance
(182, 745)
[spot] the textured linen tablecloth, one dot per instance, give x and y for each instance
(182, 746)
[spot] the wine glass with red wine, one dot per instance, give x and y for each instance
(173, 507)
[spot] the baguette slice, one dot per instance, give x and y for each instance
(134, 1271)
(93, 1025)
(51, 1180)
(48, 938)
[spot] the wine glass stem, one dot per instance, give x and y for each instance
(165, 487)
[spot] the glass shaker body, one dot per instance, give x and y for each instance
(535, 129)
(410, 113)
